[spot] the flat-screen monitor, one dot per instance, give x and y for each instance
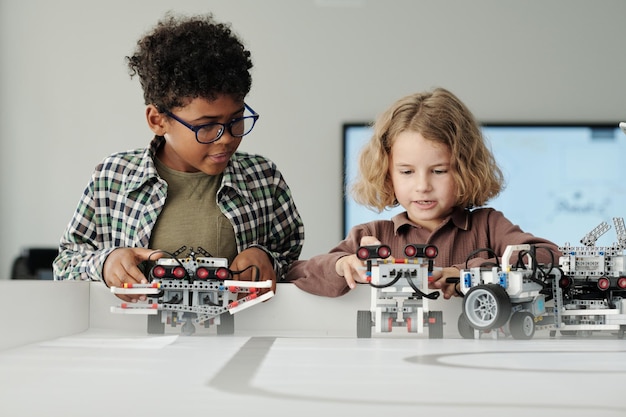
(562, 180)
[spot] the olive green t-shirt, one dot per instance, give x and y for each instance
(191, 216)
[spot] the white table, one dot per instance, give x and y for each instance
(64, 354)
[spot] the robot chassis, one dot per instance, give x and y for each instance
(592, 294)
(192, 290)
(506, 299)
(397, 293)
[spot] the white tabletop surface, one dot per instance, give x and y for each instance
(296, 354)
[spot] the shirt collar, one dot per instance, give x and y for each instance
(145, 169)
(459, 217)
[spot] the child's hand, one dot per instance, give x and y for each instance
(247, 259)
(437, 281)
(120, 268)
(351, 268)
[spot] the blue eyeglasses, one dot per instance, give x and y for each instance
(212, 132)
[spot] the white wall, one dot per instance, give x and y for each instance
(67, 100)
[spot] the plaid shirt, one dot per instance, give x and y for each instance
(121, 203)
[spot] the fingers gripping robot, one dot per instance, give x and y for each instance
(193, 290)
(399, 295)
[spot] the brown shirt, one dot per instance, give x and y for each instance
(456, 238)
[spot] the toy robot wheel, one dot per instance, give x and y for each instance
(411, 324)
(386, 322)
(155, 324)
(364, 324)
(487, 306)
(435, 325)
(227, 324)
(465, 328)
(522, 325)
(188, 327)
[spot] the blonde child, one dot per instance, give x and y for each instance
(427, 154)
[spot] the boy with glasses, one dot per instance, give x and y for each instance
(191, 186)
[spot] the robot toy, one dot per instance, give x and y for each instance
(192, 290)
(505, 298)
(397, 291)
(593, 291)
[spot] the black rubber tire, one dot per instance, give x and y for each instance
(435, 325)
(364, 324)
(465, 328)
(487, 306)
(155, 325)
(227, 324)
(522, 325)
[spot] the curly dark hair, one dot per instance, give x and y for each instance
(184, 58)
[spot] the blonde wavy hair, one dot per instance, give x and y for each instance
(438, 115)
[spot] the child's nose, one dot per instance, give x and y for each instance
(421, 183)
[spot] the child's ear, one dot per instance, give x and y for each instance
(156, 120)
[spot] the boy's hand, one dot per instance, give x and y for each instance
(250, 258)
(120, 268)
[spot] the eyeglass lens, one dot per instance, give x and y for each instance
(236, 128)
